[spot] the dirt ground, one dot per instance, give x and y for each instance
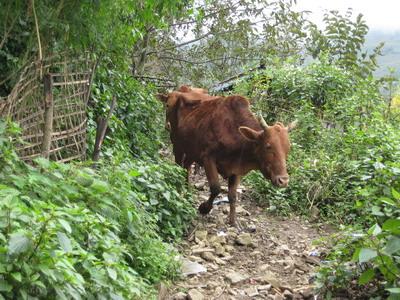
(268, 258)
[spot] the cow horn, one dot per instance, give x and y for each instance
(262, 122)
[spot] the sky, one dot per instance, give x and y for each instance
(379, 14)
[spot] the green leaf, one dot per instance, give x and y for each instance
(395, 194)
(18, 243)
(376, 211)
(84, 181)
(392, 225)
(112, 273)
(153, 201)
(66, 225)
(134, 173)
(366, 276)
(366, 255)
(393, 245)
(5, 286)
(65, 242)
(17, 276)
(394, 290)
(375, 230)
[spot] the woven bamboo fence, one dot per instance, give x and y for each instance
(49, 103)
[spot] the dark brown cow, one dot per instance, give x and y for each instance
(224, 137)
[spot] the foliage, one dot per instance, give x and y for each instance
(71, 232)
(343, 167)
(344, 38)
(370, 252)
(135, 126)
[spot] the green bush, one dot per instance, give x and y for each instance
(136, 126)
(68, 231)
(369, 250)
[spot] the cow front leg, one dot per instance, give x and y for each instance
(233, 183)
(212, 177)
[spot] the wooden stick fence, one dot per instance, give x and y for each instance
(51, 108)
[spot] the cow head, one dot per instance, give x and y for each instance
(271, 148)
(170, 100)
(185, 96)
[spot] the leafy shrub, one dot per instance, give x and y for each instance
(67, 231)
(135, 127)
(369, 250)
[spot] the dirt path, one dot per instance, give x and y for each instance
(270, 258)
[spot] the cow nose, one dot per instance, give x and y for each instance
(283, 181)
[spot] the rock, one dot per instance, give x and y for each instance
(284, 250)
(194, 294)
(229, 248)
(219, 250)
(252, 228)
(220, 261)
(201, 250)
(218, 290)
(271, 278)
(207, 256)
(191, 267)
(278, 297)
(307, 294)
(200, 185)
(179, 296)
(255, 253)
(244, 239)
(251, 291)
(265, 287)
(241, 211)
(287, 294)
(218, 239)
(235, 277)
(201, 235)
(312, 260)
(264, 267)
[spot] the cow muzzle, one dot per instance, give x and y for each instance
(281, 181)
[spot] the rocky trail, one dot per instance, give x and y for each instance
(268, 258)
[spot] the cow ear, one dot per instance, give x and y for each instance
(184, 89)
(162, 97)
(292, 125)
(250, 134)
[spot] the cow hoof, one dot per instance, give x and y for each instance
(205, 208)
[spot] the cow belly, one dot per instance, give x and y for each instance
(229, 168)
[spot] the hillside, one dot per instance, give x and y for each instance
(391, 50)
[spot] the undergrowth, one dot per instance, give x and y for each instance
(68, 231)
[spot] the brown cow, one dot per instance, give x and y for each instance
(224, 137)
(193, 97)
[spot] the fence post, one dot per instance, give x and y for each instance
(48, 115)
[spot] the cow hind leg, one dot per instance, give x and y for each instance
(215, 188)
(233, 183)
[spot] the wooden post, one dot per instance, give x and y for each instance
(102, 124)
(48, 115)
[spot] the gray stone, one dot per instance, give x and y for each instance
(251, 291)
(244, 239)
(191, 267)
(287, 294)
(235, 277)
(201, 235)
(179, 296)
(207, 256)
(269, 277)
(194, 294)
